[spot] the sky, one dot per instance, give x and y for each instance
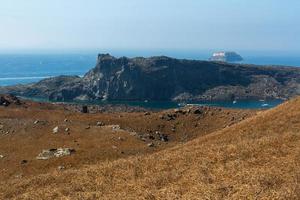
(150, 24)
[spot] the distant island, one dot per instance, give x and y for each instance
(226, 56)
(163, 78)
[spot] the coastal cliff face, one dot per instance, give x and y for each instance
(164, 78)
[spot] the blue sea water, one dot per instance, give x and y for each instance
(21, 69)
(30, 68)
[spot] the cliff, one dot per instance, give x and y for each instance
(163, 78)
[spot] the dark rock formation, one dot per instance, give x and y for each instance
(6, 100)
(164, 78)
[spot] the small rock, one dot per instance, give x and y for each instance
(50, 153)
(66, 120)
(1, 156)
(84, 109)
(114, 147)
(88, 127)
(24, 162)
(36, 122)
(61, 167)
(67, 130)
(19, 176)
(151, 137)
(179, 111)
(100, 124)
(146, 113)
(198, 112)
(1, 126)
(116, 127)
(150, 144)
(55, 130)
(163, 138)
(120, 138)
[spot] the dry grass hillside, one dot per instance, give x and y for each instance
(258, 158)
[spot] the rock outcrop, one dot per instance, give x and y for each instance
(163, 79)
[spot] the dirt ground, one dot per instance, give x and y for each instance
(27, 129)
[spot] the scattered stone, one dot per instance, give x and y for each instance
(61, 167)
(36, 121)
(146, 113)
(24, 162)
(19, 176)
(198, 111)
(116, 127)
(55, 130)
(151, 137)
(133, 133)
(163, 138)
(100, 124)
(67, 130)
(169, 116)
(51, 153)
(6, 100)
(150, 144)
(179, 111)
(120, 138)
(84, 109)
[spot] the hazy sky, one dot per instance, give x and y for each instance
(150, 24)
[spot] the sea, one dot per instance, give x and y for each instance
(18, 68)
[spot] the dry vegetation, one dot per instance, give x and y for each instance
(258, 158)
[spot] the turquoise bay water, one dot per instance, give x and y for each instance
(169, 104)
(225, 104)
(30, 68)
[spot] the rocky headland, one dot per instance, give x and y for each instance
(164, 79)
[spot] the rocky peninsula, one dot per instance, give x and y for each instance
(167, 79)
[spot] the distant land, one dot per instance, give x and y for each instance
(226, 56)
(17, 68)
(163, 78)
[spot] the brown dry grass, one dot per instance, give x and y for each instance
(258, 158)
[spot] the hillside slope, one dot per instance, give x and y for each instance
(258, 158)
(163, 79)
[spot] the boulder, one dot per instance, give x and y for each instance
(55, 130)
(150, 144)
(52, 153)
(100, 124)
